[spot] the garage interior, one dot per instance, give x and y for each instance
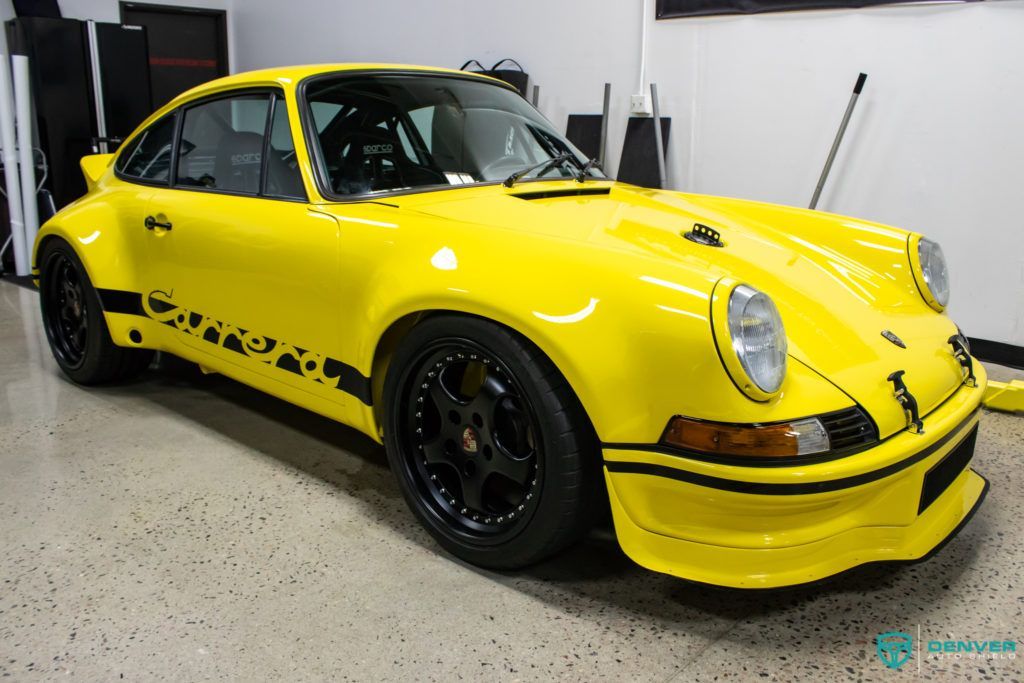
(185, 526)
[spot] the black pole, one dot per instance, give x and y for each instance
(658, 143)
(604, 123)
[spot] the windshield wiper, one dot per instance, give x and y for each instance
(591, 163)
(544, 167)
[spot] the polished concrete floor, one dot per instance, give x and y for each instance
(186, 527)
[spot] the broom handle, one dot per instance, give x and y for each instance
(839, 139)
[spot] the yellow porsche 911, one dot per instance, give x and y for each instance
(763, 396)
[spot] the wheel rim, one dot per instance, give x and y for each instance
(66, 310)
(472, 446)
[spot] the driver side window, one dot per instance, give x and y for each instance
(221, 144)
(283, 178)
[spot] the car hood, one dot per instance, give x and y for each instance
(838, 282)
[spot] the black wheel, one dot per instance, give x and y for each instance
(74, 322)
(491, 447)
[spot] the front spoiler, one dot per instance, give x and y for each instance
(796, 525)
(779, 568)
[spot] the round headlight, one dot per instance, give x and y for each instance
(758, 337)
(933, 269)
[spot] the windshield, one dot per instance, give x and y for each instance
(388, 132)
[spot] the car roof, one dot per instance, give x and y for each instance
(289, 76)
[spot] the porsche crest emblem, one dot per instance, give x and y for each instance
(894, 339)
(470, 442)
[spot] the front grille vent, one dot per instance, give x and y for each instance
(848, 429)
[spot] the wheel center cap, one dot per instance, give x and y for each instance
(470, 441)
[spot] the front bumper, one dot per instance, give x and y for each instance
(768, 527)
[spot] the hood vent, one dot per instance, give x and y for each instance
(552, 194)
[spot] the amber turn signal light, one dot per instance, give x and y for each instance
(788, 439)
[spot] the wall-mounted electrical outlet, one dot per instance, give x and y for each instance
(640, 105)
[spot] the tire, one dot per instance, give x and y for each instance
(76, 328)
(491, 448)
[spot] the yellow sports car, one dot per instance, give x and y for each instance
(762, 395)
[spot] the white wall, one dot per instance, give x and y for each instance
(936, 144)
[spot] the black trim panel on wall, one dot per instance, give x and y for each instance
(668, 9)
(997, 352)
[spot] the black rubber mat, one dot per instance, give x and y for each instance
(638, 165)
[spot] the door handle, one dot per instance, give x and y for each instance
(151, 223)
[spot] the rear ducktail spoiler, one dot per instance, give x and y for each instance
(93, 168)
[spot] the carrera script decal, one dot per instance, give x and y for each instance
(309, 364)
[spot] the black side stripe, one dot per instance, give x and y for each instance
(787, 489)
(997, 352)
(350, 380)
(118, 301)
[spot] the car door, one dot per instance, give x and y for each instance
(144, 164)
(241, 268)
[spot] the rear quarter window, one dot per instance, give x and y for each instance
(148, 156)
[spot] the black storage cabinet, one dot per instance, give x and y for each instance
(62, 90)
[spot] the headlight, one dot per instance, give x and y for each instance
(932, 269)
(751, 339)
(757, 337)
